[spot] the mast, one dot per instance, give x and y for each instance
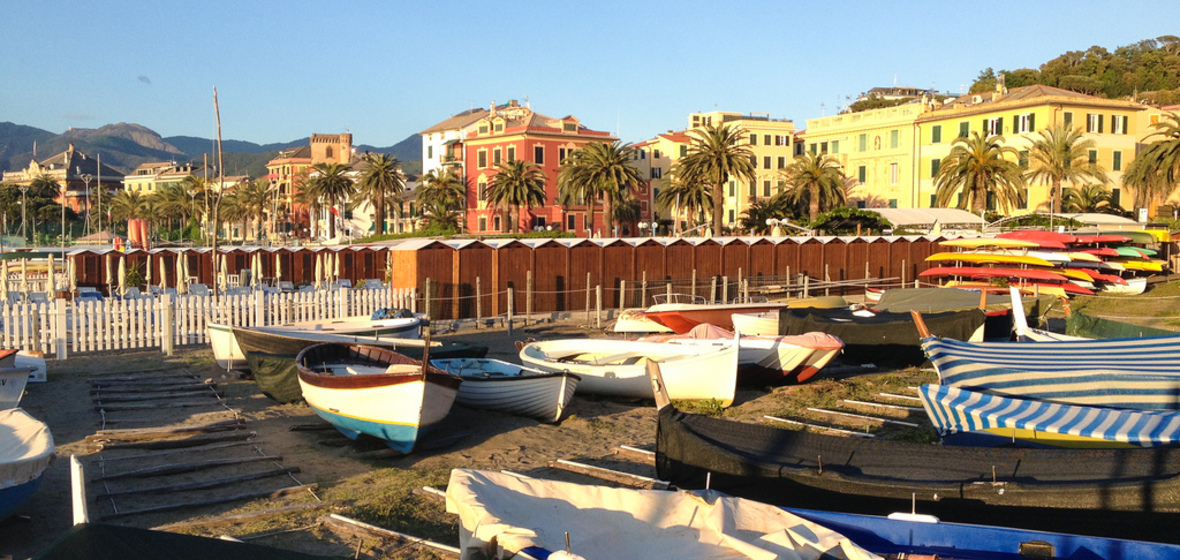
(220, 188)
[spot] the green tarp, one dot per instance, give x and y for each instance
(1080, 324)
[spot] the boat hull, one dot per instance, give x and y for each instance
(12, 386)
(682, 317)
(226, 351)
(493, 385)
(229, 354)
(26, 450)
(618, 368)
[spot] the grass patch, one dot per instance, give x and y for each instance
(711, 407)
(384, 497)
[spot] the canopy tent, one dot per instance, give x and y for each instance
(927, 217)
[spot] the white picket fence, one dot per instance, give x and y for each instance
(61, 327)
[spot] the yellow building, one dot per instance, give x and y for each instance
(152, 176)
(876, 149)
(1116, 126)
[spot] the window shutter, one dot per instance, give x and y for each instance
(1015, 124)
(1125, 130)
(1032, 127)
(986, 130)
(999, 126)
(1099, 124)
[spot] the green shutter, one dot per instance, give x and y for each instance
(1117, 164)
(861, 173)
(963, 126)
(1032, 127)
(935, 164)
(1015, 124)
(983, 129)
(1099, 124)
(1067, 120)
(936, 134)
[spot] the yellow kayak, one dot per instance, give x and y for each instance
(1146, 266)
(982, 242)
(989, 258)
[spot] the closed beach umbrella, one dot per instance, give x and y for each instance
(147, 273)
(336, 276)
(4, 282)
(163, 272)
(319, 269)
(110, 275)
(24, 276)
(223, 276)
(122, 276)
(278, 268)
(72, 275)
(181, 274)
(389, 267)
(256, 273)
(49, 285)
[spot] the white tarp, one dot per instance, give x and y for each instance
(26, 447)
(501, 515)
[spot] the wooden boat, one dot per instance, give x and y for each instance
(966, 417)
(1127, 493)
(880, 338)
(26, 449)
(506, 516)
(616, 367)
(499, 385)
(683, 312)
(13, 379)
(271, 354)
(1138, 373)
(636, 321)
(766, 359)
(229, 355)
(372, 391)
(765, 323)
(924, 536)
(1129, 287)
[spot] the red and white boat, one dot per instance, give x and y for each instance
(682, 312)
(766, 359)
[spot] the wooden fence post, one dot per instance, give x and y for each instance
(713, 290)
(167, 324)
(510, 310)
(806, 286)
(528, 296)
(903, 273)
(478, 301)
(724, 289)
(426, 299)
(643, 292)
(622, 294)
(598, 307)
(827, 280)
(694, 282)
(60, 327)
(587, 298)
(668, 291)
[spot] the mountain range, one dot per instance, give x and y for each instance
(125, 146)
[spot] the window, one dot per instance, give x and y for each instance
(894, 138)
(964, 129)
(893, 203)
(1093, 156)
(753, 189)
(570, 225)
(814, 148)
(936, 134)
(732, 188)
(862, 142)
(498, 127)
(933, 201)
(766, 188)
(780, 140)
(765, 139)
(765, 162)
(861, 173)
(495, 156)
(1118, 124)
(642, 154)
(860, 204)
(655, 154)
(730, 216)
(754, 162)
(496, 223)
(482, 189)
(684, 150)
(753, 139)
(429, 152)
(782, 162)
(1023, 159)
(511, 154)
(1117, 162)
(483, 128)
(835, 146)
(569, 127)
(1067, 119)
(1023, 123)
(483, 223)
(823, 147)
(482, 159)
(893, 173)
(935, 164)
(539, 154)
(561, 155)
(328, 152)
(1116, 197)
(1094, 123)
(657, 173)
(993, 127)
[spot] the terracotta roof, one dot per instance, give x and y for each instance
(1026, 95)
(459, 121)
(678, 136)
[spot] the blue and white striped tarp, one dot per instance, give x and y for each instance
(1080, 372)
(953, 411)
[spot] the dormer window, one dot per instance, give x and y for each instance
(483, 128)
(569, 127)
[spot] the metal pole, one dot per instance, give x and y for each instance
(478, 301)
(598, 307)
(510, 311)
(587, 308)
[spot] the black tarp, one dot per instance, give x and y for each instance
(1128, 493)
(272, 359)
(94, 541)
(885, 338)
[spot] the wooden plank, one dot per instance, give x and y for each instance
(157, 380)
(195, 441)
(361, 528)
(884, 406)
(642, 455)
(154, 454)
(148, 406)
(200, 484)
(179, 468)
(149, 433)
(154, 388)
(126, 398)
(899, 397)
(214, 501)
(862, 417)
(627, 479)
(818, 427)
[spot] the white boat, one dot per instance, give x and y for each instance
(682, 312)
(229, 354)
(26, 449)
(1027, 333)
(364, 390)
(511, 388)
(13, 379)
(766, 358)
(618, 367)
(504, 516)
(636, 321)
(1133, 287)
(764, 323)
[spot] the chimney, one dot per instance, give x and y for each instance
(1001, 89)
(493, 110)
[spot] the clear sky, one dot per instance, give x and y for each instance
(386, 69)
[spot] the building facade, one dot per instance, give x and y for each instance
(289, 169)
(78, 175)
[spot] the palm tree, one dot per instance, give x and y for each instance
(599, 170)
(684, 196)
(440, 216)
(252, 199)
(1062, 154)
(330, 184)
(715, 154)
(442, 190)
(975, 168)
(518, 183)
(817, 179)
(1090, 198)
(753, 219)
(381, 184)
(128, 205)
(1155, 171)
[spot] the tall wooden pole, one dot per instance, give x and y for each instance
(220, 187)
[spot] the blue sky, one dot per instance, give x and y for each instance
(385, 70)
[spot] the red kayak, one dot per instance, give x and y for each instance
(995, 272)
(1045, 239)
(1102, 238)
(1100, 252)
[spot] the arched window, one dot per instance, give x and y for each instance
(329, 152)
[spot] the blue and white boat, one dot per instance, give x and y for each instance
(967, 417)
(511, 388)
(365, 390)
(26, 449)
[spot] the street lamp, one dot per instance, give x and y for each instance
(643, 226)
(23, 223)
(87, 177)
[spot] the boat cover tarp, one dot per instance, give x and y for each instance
(501, 514)
(1125, 493)
(883, 339)
(1080, 324)
(26, 447)
(930, 300)
(955, 411)
(706, 331)
(94, 541)
(272, 359)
